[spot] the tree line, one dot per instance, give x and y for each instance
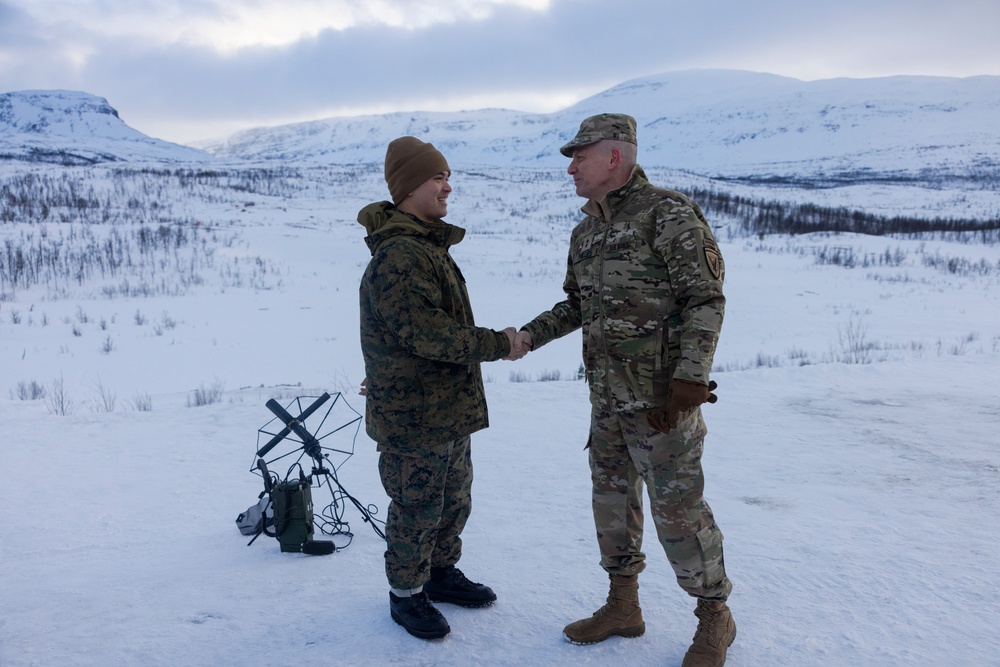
(762, 217)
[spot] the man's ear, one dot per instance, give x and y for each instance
(614, 159)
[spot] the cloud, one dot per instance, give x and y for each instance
(191, 69)
(227, 26)
(19, 44)
(379, 66)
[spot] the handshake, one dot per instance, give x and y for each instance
(520, 343)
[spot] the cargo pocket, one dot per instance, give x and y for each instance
(410, 479)
(710, 541)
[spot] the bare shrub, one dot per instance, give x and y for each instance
(855, 347)
(206, 395)
(767, 361)
(106, 400)
(142, 402)
(29, 391)
(57, 400)
(519, 376)
(961, 346)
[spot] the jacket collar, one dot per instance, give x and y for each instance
(613, 201)
(382, 221)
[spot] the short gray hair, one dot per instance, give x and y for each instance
(628, 150)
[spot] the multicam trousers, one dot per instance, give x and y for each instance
(625, 453)
(430, 493)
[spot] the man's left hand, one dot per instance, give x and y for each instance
(681, 397)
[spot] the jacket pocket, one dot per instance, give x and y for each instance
(639, 360)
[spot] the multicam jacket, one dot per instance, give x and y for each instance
(644, 281)
(420, 343)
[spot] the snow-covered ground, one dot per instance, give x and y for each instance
(859, 501)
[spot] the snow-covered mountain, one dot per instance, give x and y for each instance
(68, 127)
(714, 122)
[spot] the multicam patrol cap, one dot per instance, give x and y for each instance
(617, 126)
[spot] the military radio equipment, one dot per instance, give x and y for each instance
(293, 520)
(292, 509)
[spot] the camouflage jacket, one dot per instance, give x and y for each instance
(420, 343)
(644, 281)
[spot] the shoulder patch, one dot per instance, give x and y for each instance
(713, 258)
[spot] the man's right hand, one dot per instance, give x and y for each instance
(520, 344)
(511, 356)
(523, 342)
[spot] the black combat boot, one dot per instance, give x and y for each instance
(418, 616)
(448, 584)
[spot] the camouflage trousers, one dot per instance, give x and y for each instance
(625, 454)
(430, 499)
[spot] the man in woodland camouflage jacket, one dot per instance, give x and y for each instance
(644, 281)
(424, 388)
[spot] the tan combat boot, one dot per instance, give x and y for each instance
(716, 633)
(620, 616)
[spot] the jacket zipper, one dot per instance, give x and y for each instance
(601, 316)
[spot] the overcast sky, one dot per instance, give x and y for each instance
(185, 70)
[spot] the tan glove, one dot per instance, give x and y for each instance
(681, 397)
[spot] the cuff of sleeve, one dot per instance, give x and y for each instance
(534, 335)
(695, 374)
(503, 344)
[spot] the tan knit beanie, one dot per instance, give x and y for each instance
(408, 163)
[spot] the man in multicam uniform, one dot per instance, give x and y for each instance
(423, 386)
(644, 281)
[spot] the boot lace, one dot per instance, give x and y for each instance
(422, 608)
(708, 630)
(455, 578)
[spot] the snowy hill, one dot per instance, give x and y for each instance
(74, 128)
(716, 123)
(721, 123)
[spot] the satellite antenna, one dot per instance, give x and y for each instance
(295, 446)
